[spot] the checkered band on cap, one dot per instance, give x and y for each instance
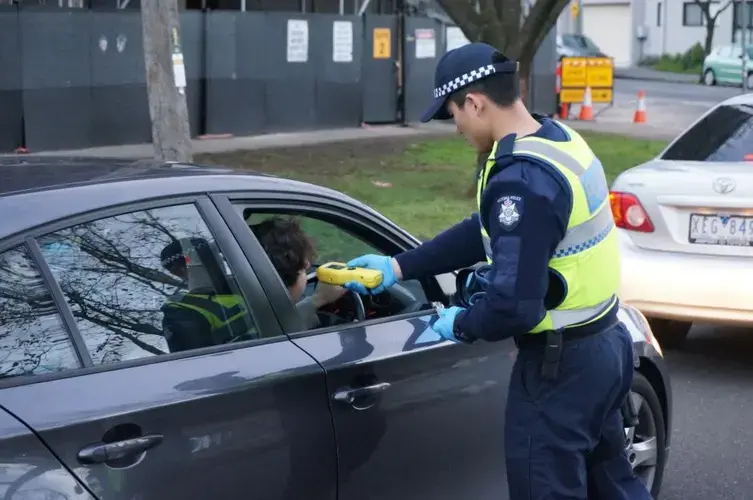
(463, 80)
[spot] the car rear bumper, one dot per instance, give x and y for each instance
(686, 287)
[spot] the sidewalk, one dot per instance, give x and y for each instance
(292, 139)
(640, 73)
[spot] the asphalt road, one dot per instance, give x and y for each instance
(712, 439)
(680, 93)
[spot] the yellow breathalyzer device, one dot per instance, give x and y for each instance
(337, 273)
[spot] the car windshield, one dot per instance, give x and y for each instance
(725, 134)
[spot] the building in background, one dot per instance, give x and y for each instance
(630, 30)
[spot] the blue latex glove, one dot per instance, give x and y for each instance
(378, 263)
(445, 324)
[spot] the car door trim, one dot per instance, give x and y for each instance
(281, 301)
(62, 306)
(228, 245)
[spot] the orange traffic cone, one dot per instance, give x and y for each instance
(586, 109)
(564, 111)
(640, 113)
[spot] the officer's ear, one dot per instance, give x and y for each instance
(474, 103)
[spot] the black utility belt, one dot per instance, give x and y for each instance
(551, 342)
(540, 339)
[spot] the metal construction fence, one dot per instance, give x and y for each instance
(75, 78)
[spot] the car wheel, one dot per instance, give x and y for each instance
(670, 333)
(709, 78)
(646, 443)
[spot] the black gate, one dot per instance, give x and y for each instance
(424, 45)
(379, 72)
(11, 107)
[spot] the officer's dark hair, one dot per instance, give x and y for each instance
(287, 246)
(503, 89)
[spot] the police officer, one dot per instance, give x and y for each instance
(210, 313)
(544, 225)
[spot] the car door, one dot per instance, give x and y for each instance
(29, 470)
(732, 65)
(96, 380)
(415, 417)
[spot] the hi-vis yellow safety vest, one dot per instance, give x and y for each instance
(587, 258)
(225, 314)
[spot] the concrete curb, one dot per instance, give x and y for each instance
(618, 76)
(295, 139)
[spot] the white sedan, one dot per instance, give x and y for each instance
(685, 224)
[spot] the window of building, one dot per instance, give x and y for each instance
(692, 14)
(737, 14)
(147, 283)
(33, 337)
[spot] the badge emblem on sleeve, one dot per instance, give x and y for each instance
(510, 211)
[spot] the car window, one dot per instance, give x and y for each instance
(147, 283)
(33, 337)
(725, 134)
(332, 242)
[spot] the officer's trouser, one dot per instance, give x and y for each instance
(552, 425)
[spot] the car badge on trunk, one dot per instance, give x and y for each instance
(724, 185)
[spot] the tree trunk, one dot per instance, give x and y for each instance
(709, 41)
(171, 135)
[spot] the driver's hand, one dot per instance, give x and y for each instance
(327, 294)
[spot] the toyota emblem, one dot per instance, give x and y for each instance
(724, 185)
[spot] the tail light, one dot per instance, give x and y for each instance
(628, 212)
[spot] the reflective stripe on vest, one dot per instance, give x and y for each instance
(222, 312)
(591, 284)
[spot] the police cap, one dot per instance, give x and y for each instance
(459, 68)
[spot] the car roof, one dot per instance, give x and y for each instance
(739, 99)
(40, 189)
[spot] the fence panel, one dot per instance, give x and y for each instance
(119, 111)
(338, 42)
(11, 107)
(424, 45)
(379, 65)
(290, 71)
(56, 74)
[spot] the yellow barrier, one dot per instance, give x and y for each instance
(581, 72)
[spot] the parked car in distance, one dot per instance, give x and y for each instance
(96, 403)
(685, 224)
(572, 45)
(724, 65)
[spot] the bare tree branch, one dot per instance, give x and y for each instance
(541, 19)
(463, 13)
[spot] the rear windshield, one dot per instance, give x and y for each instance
(725, 134)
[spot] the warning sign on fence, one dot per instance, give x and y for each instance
(577, 73)
(382, 43)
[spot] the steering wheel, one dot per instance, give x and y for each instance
(351, 302)
(401, 294)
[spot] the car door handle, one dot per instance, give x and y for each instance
(350, 394)
(98, 453)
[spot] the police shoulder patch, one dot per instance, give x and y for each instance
(510, 211)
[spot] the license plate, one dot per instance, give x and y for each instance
(714, 229)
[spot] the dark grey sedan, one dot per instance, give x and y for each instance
(370, 405)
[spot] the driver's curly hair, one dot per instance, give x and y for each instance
(286, 245)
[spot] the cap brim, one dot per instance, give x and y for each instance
(436, 111)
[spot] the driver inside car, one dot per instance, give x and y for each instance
(292, 253)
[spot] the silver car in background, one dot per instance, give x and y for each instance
(685, 224)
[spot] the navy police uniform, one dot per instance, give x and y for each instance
(544, 225)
